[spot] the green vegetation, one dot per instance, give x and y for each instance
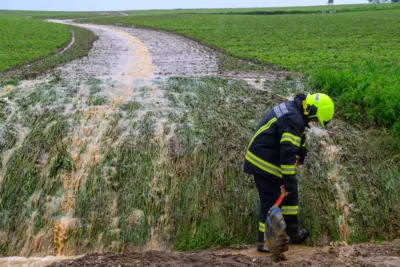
(352, 56)
(268, 11)
(242, 11)
(295, 42)
(352, 197)
(23, 40)
(29, 47)
(83, 44)
(56, 14)
(182, 184)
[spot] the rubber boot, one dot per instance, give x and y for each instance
(262, 247)
(298, 237)
(261, 244)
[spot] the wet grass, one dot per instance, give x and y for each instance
(188, 190)
(27, 182)
(164, 191)
(96, 100)
(130, 107)
(23, 177)
(369, 180)
(216, 205)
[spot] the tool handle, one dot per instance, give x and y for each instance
(279, 201)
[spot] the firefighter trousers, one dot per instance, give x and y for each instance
(268, 187)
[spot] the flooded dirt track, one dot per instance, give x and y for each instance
(177, 56)
(115, 54)
(167, 54)
(366, 255)
(32, 262)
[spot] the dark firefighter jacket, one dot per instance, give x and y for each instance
(278, 139)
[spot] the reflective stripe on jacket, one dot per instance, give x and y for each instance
(276, 142)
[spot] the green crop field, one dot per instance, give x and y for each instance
(353, 56)
(249, 11)
(23, 40)
(29, 47)
(295, 42)
(56, 14)
(266, 10)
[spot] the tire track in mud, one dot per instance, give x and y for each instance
(70, 43)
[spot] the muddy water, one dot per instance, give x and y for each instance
(70, 43)
(373, 255)
(125, 64)
(170, 55)
(332, 155)
(295, 252)
(32, 262)
(133, 52)
(117, 54)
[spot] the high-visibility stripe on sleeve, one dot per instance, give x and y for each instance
(288, 169)
(261, 227)
(295, 140)
(263, 165)
(262, 129)
(290, 210)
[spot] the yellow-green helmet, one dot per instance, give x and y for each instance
(320, 106)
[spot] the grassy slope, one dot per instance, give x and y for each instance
(352, 56)
(189, 190)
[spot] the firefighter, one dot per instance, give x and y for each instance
(276, 148)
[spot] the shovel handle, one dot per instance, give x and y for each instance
(279, 201)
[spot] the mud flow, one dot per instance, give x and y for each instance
(387, 254)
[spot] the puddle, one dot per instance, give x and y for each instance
(33, 261)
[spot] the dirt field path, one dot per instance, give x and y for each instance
(141, 53)
(365, 255)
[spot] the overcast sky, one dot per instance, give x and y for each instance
(96, 5)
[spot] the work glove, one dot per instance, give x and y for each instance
(290, 183)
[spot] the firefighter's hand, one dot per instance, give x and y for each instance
(298, 161)
(283, 191)
(302, 155)
(290, 183)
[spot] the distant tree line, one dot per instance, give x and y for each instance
(384, 1)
